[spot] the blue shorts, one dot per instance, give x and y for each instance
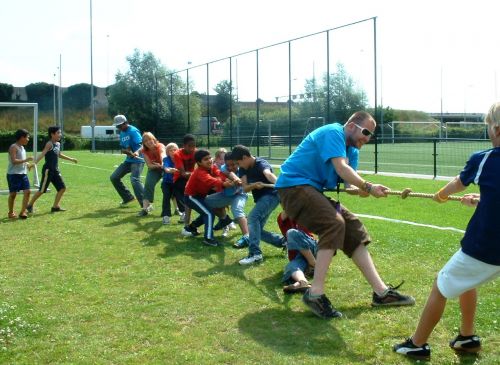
(18, 182)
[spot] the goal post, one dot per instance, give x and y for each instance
(36, 181)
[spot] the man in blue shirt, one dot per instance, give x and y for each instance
(324, 158)
(130, 143)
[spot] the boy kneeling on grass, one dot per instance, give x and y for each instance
(206, 178)
(478, 260)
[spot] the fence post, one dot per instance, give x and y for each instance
(435, 157)
(376, 155)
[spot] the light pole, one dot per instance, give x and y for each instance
(54, 97)
(92, 102)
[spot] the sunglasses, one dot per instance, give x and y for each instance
(364, 131)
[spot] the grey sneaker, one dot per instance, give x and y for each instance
(320, 305)
(408, 348)
(166, 220)
(391, 297)
(471, 344)
(251, 259)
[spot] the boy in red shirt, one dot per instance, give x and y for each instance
(205, 179)
(184, 163)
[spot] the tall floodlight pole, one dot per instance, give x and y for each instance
(61, 121)
(92, 102)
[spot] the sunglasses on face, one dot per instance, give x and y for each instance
(364, 131)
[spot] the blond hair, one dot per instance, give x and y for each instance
(493, 116)
(219, 152)
(171, 146)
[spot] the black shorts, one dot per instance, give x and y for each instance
(51, 176)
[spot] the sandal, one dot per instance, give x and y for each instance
(301, 288)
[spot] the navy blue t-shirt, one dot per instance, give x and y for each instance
(256, 173)
(482, 238)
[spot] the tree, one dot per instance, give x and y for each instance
(6, 91)
(41, 93)
(224, 99)
(151, 96)
(78, 96)
(345, 97)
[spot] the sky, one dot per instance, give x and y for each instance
(431, 55)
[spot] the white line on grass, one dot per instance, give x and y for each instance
(90, 167)
(410, 223)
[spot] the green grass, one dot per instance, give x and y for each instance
(96, 284)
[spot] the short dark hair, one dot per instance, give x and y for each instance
(53, 130)
(228, 156)
(239, 151)
(188, 138)
(199, 154)
(20, 133)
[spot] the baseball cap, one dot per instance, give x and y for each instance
(119, 120)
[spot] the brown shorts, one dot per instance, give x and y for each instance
(318, 213)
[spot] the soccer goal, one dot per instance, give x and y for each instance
(470, 130)
(34, 134)
(406, 129)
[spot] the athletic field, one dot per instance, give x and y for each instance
(96, 284)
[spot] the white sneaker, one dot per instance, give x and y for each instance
(166, 220)
(233, 226)
(251, 260)
(181, 218)
(150, 208)
(225, 231)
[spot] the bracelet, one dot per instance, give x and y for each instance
(440, 198)
(367, 186)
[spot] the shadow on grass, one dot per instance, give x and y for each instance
(297, 333)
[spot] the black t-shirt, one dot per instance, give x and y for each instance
(256, 173)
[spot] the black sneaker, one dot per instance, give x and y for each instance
(408, 348)
(320, 305)
(29, 208)
(210, 242)
(391, 297)
(57, 209)
(226, 221)
(124, 203)
(142, 213)
(471, 344)
(189, 231)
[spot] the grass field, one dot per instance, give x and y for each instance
(96, 284)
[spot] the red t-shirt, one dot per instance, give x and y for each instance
(286, 224)
(183, 160)
(202, 181)
(154, 155)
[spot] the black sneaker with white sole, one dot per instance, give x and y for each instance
(223, 223)
(408, 348)
(320, 305)
(471, 344)
(210, 242)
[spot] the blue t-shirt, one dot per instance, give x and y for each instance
(256, 173)
(168, 178)
(482, 239)
(131, 138)
(310, 163)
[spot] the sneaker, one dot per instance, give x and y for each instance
(222, 223)
(57, 209)
(142, 213)
(251, 259)
(233, 226)
(408, 348)
(150, 208)
(181, 217)
(177, 211)
(126, 202)
(298, 287)
(320, 305)
(391, 297)
(210, 242)
(470, 344)
(242, 242)
(189, 231)
(29, 208)
(166, 220)
(225, 231)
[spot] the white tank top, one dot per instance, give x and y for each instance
(21, 168)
